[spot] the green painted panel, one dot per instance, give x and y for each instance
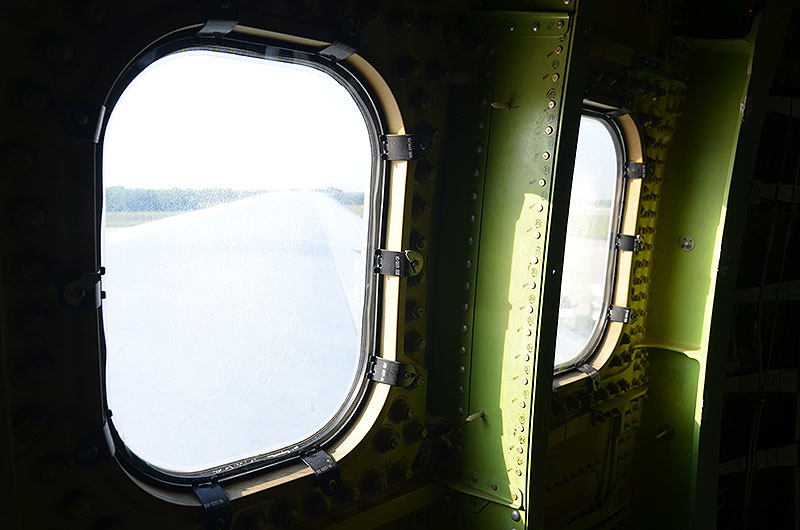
(664, 467)
(695, 191)
(526, 72)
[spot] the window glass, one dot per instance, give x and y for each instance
(234, 247)
(586, 283)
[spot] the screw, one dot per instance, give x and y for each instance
(551, 104)
(555, 77)
(560, 24)
(548, 130)
(542, 182)
(546, 155)
(535, 27)
(559, 49)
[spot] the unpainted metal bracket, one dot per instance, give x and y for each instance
(391, 372)
(594, 375)
(217, 506)
(346, 42)
(326, 469)
(76, 291)
(98, 446)
(619, 314)
(401, 147)
(222, 18)
(627, 242)
(404, 263)
(636, 170)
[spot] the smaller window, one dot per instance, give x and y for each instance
(589, 255)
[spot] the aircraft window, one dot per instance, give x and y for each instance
(235, 247)
(591, 229)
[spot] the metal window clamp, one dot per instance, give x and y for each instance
(325, 468)
(76, 291)
(404, 263)
(98, 446)
(216, 504)
(401, 147)
(594, 375)
(636, 170)
(619, 314)
(345, 43)
(391, 372)
(222, 18)
(626, 242)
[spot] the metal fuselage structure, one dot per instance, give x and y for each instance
(684, 414)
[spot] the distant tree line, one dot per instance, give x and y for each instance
(121, 199)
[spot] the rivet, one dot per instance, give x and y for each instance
(462, 370)
(484, 100)
(467, 286)
(551, 104)
(462, 350)
(530, 309)
(548, 130)
(542, 182)
(537, 235)
(535, 27)
(528, 332)
(546, 155)
(468, 264)
(464, 329)
(465, 307)
(474, 195)
(521, 428)
(560, 24)
(481, 124)
(513, 496)
(460, 390)
(476, 172)
(470, 240)
(479, 147)
(559, 49)
(555, 77)
(81, 118)
(473, 478)
(512, 27)
(520, 449)
(518, 472)
(539, 207)
(522, 404)
(527, 357)
(459, 411)
(494, 487)
(515, 516)
(471, 218)
(534, 260)
(524, 380)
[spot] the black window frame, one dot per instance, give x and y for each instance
(618, 208)
(277, 50)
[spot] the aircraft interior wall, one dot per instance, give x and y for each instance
(679, 409)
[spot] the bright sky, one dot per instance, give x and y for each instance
(595, 176)
(203, 119)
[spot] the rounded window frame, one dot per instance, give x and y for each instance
(381, 114)
(607, 333)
